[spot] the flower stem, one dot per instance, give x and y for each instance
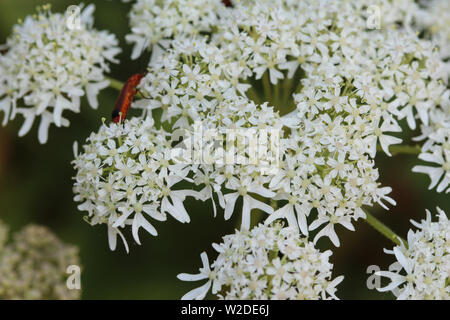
(115, 84)
(253, 95)
(383, 229)
(403, 149)
(267, 86)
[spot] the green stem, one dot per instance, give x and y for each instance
(266, 85)
(298, 88)
(115, 84)
(383, 229)
(253, 95)
(276, 96)
(402, 149)
(287, 87)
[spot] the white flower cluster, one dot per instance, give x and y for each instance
(48, 67)
(320, 87)
(341, 85)
(267, 262)
(392, 13)
(358, 83)
(436, 150)
(126, 175)
(347, 85)
(330, 43)
(241, 144)
(33, 266)
(435, 19)
(326, 170)
(422, 270)
(190, 79)
(434, 22)
(156, 21)
(194, 77)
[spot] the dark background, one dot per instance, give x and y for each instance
(36, 187)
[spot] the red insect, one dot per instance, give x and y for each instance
(227, 3)
(123, 102)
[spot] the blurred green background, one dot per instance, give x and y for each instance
(36, 187)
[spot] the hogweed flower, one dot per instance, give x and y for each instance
(436, 151)
(267, 262)
(320, 43)
(334, 88)
(326, 169)
(422, 270)
(194, 82)
(34, 264)
(190, 79)
(48, 67)
(434, 19)
(125, 175)
(154, 22)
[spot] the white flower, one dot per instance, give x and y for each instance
(434, 19)
(422, 270)
(267, 262)
(33, 266)
(205, 273)
(47, 69)
(342, 87)
(154, 21)
(184, 89)
(437, 151)
(384, 140)
(249, 203)
(118, 186)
